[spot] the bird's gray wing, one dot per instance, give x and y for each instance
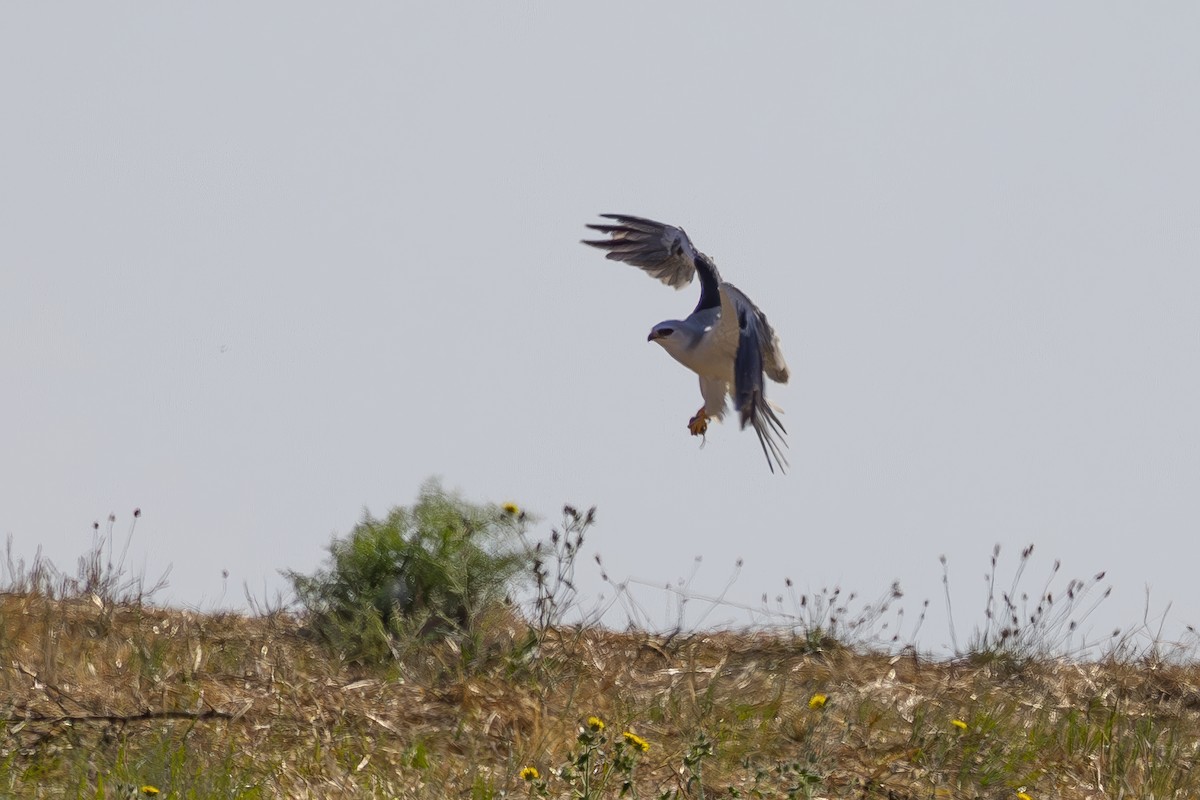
(772, 352)
(749, 391)
(662, 251)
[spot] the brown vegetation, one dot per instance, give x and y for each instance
(95, 695)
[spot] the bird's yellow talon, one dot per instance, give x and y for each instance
(698, 424)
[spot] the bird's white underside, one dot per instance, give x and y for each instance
(713, 358)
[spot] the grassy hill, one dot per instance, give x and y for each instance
(405, 672)
(107, 699)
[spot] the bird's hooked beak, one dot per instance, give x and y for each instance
(654, 334)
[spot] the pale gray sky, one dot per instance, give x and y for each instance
(264, 265)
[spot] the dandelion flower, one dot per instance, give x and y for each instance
(817, 701)
(511, 508)
(958, 723)
(596, 724)
(148, 789)
(1023, 796)
(530, 774)
(636, 741)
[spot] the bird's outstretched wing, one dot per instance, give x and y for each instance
(757, 350)
(662, 251)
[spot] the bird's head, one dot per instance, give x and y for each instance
(664, 331)
(674, 336)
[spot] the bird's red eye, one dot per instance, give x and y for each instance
(665, 331)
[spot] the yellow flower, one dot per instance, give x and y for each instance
(148, 789)
(958, 723)
(530, 774)
(636, 741)
(817, 701)
(1023, 796)
(511, 508)
(596, 724)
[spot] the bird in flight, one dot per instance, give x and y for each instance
(726, 340)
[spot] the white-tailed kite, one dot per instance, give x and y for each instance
(726, 340)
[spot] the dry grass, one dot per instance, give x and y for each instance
(96, 696)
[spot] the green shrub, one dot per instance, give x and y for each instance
(425, 571)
